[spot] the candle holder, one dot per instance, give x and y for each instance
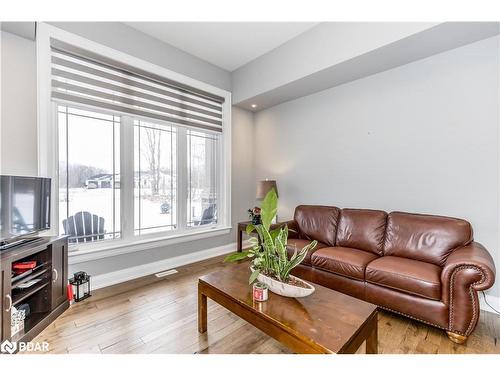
(81, 286)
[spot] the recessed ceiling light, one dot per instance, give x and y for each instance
(254, 105)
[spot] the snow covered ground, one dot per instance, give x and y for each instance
(99, 202)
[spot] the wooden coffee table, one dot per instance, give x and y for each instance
(324, 322)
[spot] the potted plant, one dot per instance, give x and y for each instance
(254, 214)
(270, 263)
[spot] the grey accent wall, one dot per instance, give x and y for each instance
(423, 137)
(126, 39)
(18, 137)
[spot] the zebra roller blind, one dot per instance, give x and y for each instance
(83, 77)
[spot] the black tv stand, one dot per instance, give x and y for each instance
(9, 244)
(47, 298)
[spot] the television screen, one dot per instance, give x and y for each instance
(24, 206)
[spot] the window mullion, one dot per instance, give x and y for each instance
(182, 180)
(127, 176)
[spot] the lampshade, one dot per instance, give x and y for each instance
(263, 187)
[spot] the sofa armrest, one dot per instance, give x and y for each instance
(475, 257)
(293, 229)
(467, 270)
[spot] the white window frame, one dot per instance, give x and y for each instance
(48, 156)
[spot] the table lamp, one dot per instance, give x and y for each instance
(263, 187)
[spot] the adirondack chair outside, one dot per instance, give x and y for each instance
(209, 215)
(84, 227)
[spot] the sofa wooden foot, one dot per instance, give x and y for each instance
(456, 338)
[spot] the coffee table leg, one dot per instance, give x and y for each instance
(202, 311)
(372, 340)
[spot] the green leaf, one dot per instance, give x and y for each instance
(311, 246)
(296, 259)
(267, 240)
(280, 245)
(253, 276)
(250, 228)
(253, 241)
(234, 257)
(268, 209)
(274, 233)
(294, 254)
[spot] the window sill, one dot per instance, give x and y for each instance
(88, 252)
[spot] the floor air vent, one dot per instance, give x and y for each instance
(166, 273)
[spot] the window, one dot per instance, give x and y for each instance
(142, 153)
(202, 178)
(90, 179)
(89, 175)
(155, 177)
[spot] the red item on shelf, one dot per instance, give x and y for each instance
(69, 290)
(24, 265)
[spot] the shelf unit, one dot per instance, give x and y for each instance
(30, 323)
(19, 297)
(31, 274)
(47, 298)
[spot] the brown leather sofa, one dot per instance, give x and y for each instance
(421, 266)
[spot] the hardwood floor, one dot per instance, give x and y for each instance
(151, 315)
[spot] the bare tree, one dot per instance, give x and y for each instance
(152, 155)
(77, 174)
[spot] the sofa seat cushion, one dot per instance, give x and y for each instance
(294, 243)
(343, 261)
(406, 275)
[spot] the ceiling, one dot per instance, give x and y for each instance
(228, 45)
(23, 29)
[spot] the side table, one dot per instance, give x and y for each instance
(242, 227)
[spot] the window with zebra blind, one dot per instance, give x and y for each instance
(90, 178)
(140, 156)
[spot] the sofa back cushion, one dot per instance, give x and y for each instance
(426, 238)
(317, 223)
(362, 229)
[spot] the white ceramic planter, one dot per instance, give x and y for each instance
(284, 289)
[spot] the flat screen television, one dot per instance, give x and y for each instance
(24, 208)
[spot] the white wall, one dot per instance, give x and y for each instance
(18, 143)
(423, 137)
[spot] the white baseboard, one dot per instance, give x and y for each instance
(120, 276)
(492, 300)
